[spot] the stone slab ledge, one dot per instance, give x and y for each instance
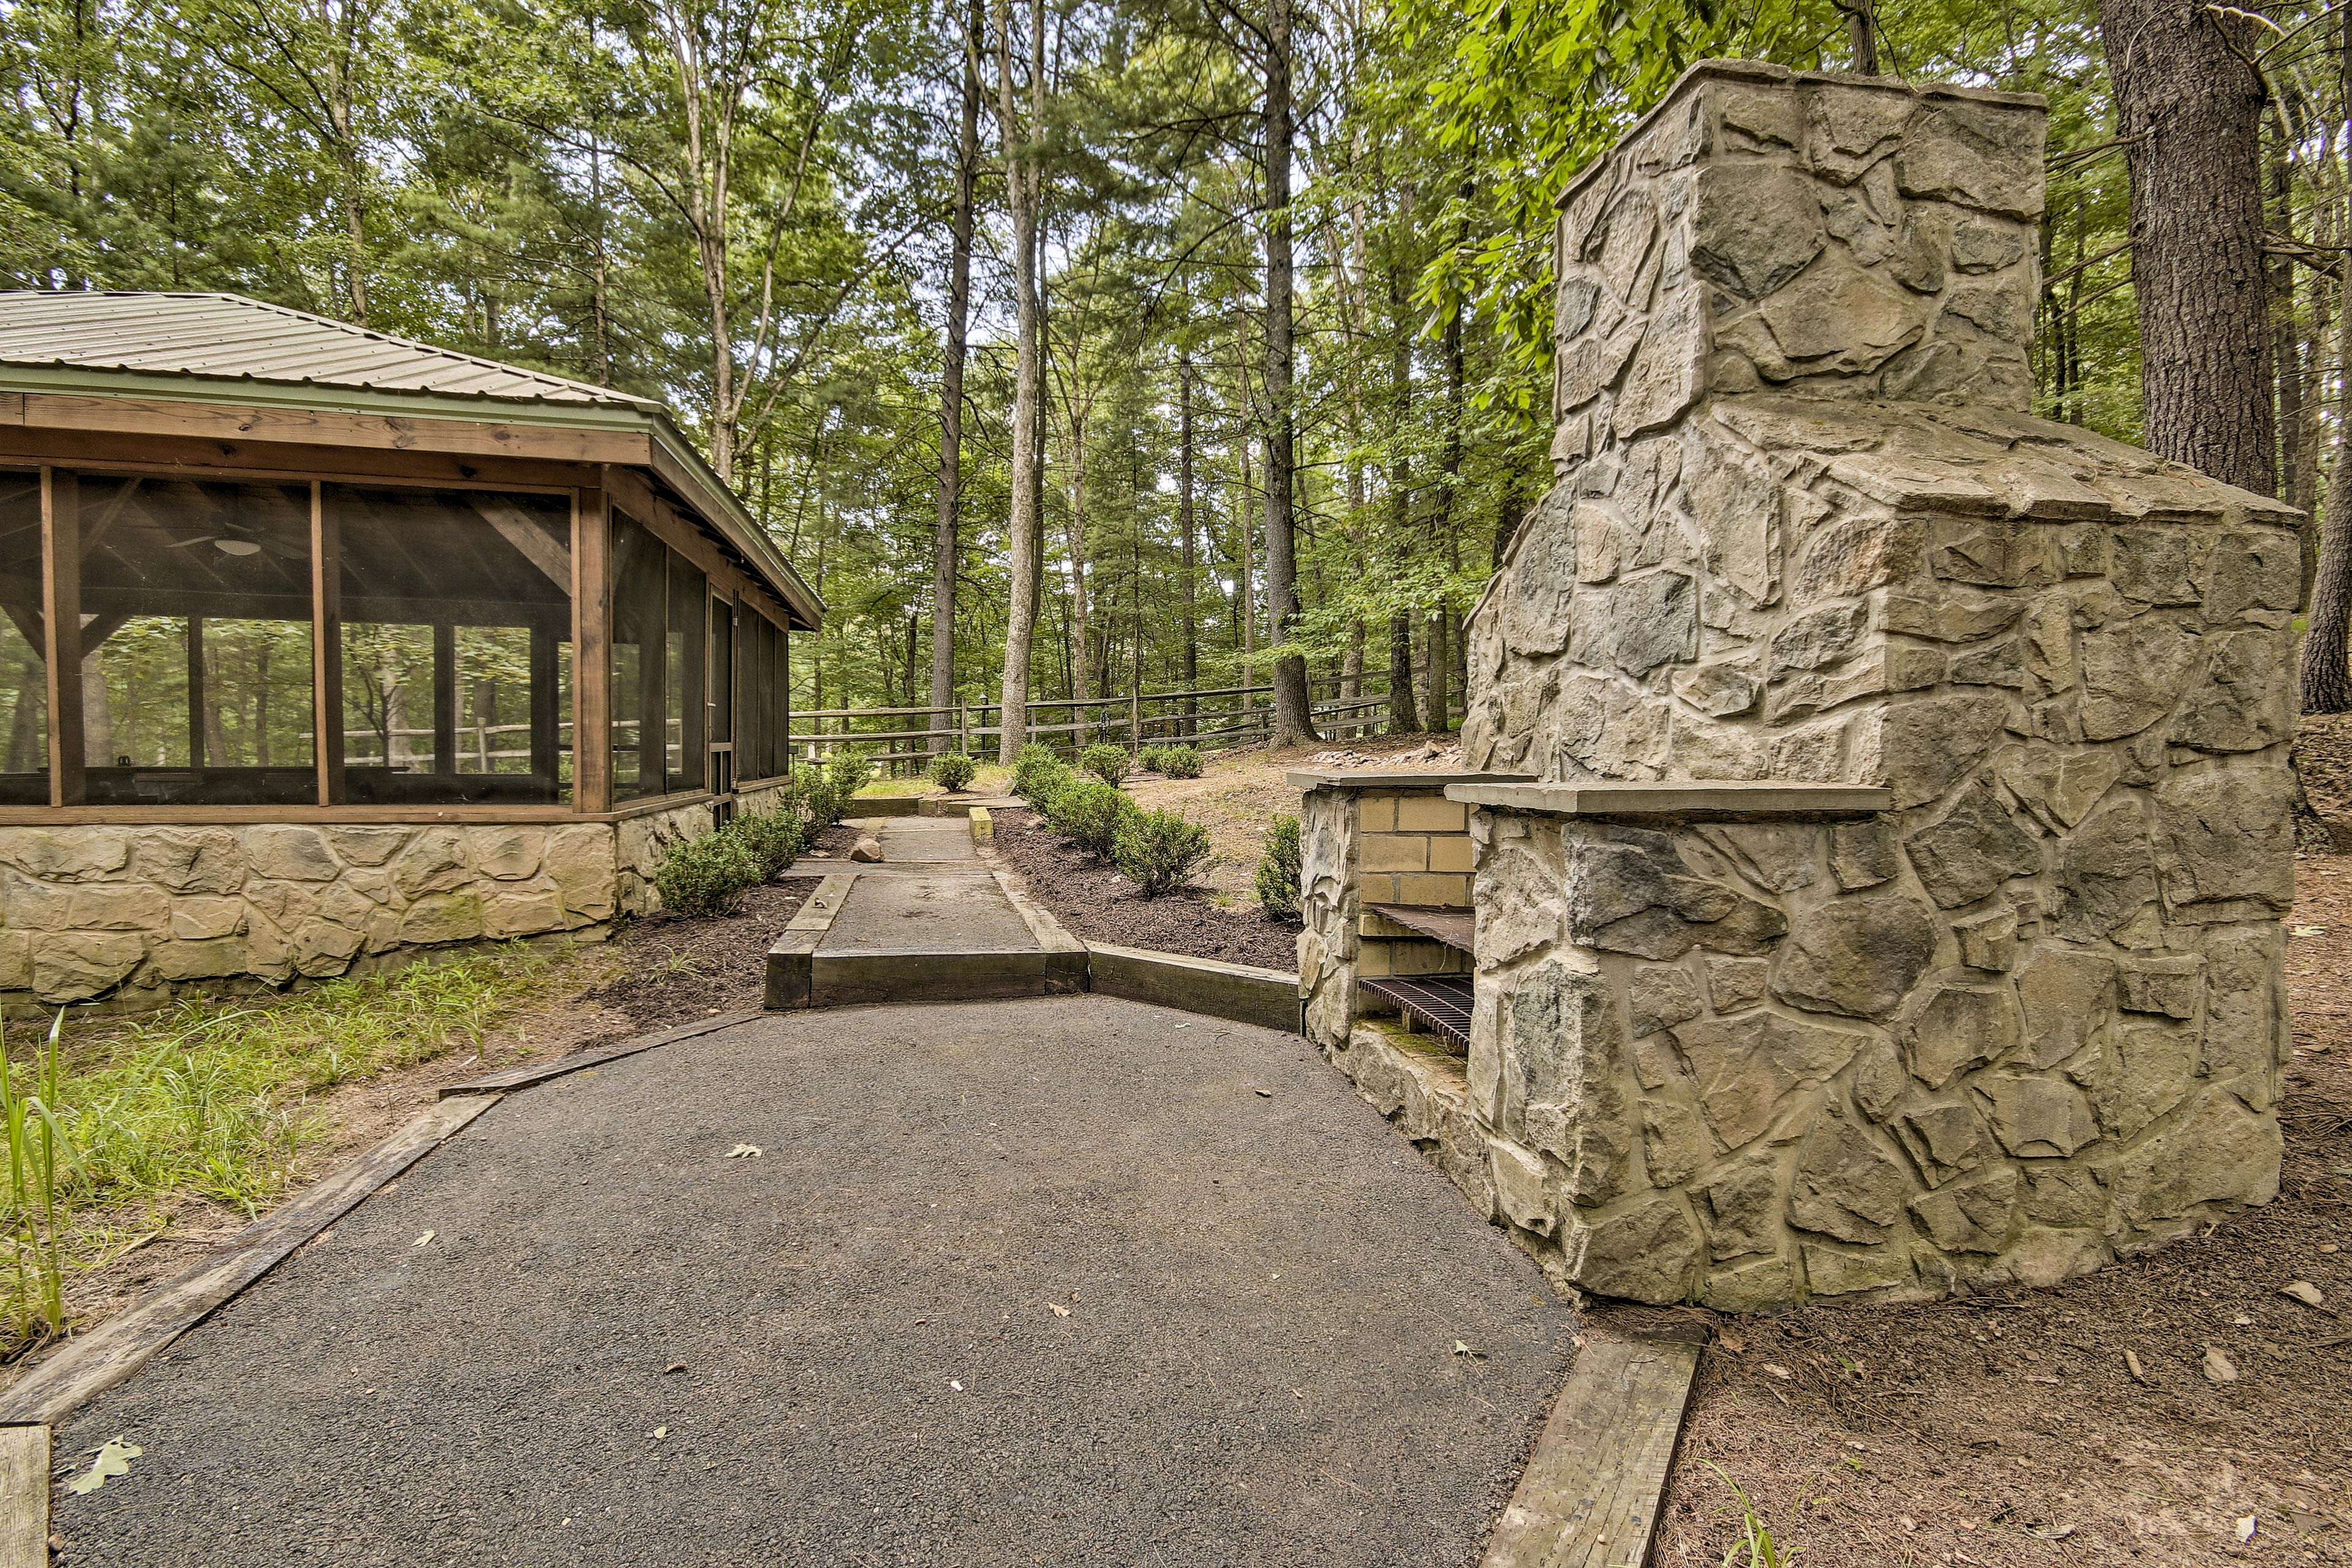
(1683, 799)
(1345, 779)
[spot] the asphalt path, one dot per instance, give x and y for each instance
(1069, 1281)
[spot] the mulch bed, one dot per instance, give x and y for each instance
(1095, 904)
(682, 966)
(2009, 1428)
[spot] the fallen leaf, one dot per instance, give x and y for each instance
(1782, 1373)
(2218, 1368)
(674, 1366)
(422, 1239)
(1059, 1310)
(2328, 1247)
(2304, 1291)
(2309, 930)
(1461, 1348)
(2245, 1531)
(113, 1459)
(1266, 1094)
(2131, 1362)
(1731, 1342)
(954, 1384)
(2242, 1321)
(2051, 1531)
(744, 1152)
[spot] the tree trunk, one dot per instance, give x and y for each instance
(1184, 522)
(2188, 107)
(1247, 589)
(1023, 187)
(1404, 717)
(1437, 669)
(943, 541)
(1293, 721)
(2326, 686)
(1073, 540)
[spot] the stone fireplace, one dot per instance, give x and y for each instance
(1884, 827)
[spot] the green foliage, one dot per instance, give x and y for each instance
(1174, 761)
(773, 839)
(1277, 870)
(1160, 851)
(953, 770)
(1088, 812)
(1038, 776)
(847, 771)
(813, 797)
(706, 876)
(38, 1153)
(1754, 1547)
(1107, 763)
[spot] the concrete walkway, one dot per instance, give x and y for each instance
(931, 892)
(619, 1345)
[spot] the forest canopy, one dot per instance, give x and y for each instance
(1180, 329)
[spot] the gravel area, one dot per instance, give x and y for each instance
(1072, 1282)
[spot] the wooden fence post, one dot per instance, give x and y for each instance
(1134, 722)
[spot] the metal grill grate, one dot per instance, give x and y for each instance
(1441, 1003)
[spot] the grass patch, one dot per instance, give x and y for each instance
(209, 1098)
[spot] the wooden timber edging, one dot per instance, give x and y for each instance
(1241, 992)
(122, 1344)
(24, 1496)
(524, 1077)
(1590, 1494)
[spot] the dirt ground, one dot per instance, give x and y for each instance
(656, 972)
(2013, 1429)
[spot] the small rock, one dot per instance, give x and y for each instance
(2246, 1531)
(867, 850)
(2218, 1368)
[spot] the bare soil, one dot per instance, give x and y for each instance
(2012, 1427)
(1095, 903)
(654, 972)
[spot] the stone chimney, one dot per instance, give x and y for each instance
(1887, 898)
(1831, 237)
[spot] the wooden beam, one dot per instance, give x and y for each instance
(445, 698)
(591, 652)
(327, 645)
(518, 529)
(182, 456)
(25, 1496)
(328, 427)
(196, 692)
(61, 572)
(546, 715)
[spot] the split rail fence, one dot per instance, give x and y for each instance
(1208, 717)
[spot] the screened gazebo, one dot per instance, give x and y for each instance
(325, 604)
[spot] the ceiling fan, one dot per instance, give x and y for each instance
(235, 537)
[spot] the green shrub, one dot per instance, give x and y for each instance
(1088, 812)
(1278, 872)
(1176, 762)
(847, 772)
(706, 876)
(1038, 775)
(814, 798)
(953, 770)
(1160, 851)
(1107, 763)
(774, 839)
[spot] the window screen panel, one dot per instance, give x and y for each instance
(24, 644)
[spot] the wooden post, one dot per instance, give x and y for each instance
(591, 652)
(327, 648)
(963, 729)
(445, 698)
(1135, 721)
(61, 564)
(546, 674)
(195, 691)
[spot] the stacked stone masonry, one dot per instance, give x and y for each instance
(130, 913)
(1392, 844)
(2031, 1017)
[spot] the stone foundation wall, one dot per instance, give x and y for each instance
(127, 913)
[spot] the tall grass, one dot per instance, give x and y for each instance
(209, 1097)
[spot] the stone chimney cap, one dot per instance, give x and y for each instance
(1763, 71)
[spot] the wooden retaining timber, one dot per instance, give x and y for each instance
(524, 1077)
(1589, 1495)
(1241, 992)
(24, 1496)
(122, 1345)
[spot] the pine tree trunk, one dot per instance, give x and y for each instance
(943, 540)
(1404, 718)
(2326, 684)
(1185, 522)
(1293, 721)
(1024, 537)
(2188, 106)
